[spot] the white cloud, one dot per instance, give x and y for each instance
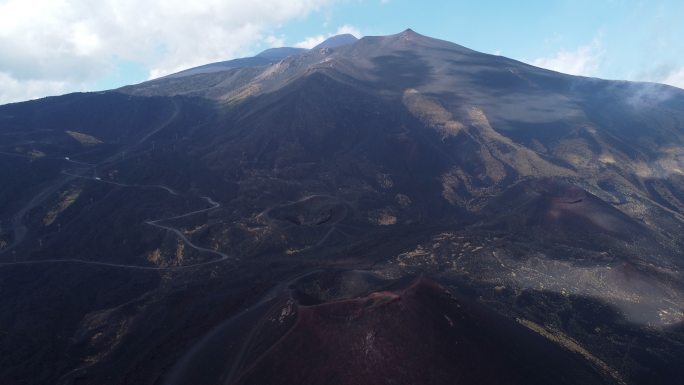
(585, 60)
(348, 29)
(675, 78)
(13, 90)
(73, 42)
(310, 42)
(313, 41)
(275, 41)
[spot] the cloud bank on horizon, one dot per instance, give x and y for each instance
(55, 46)
(585, 60)
(50, 47)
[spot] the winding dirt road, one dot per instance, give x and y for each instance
(20, 229)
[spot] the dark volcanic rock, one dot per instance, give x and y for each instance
(211, 227)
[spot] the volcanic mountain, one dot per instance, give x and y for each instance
(394, 209)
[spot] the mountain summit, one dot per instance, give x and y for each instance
(269, 56)
(337, 41)
(389, 208)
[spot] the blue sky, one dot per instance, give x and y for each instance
(626, 39)
(51, 47)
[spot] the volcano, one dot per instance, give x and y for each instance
(391, 209)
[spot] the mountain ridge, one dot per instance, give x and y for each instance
(264, 58)
(349, 185)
